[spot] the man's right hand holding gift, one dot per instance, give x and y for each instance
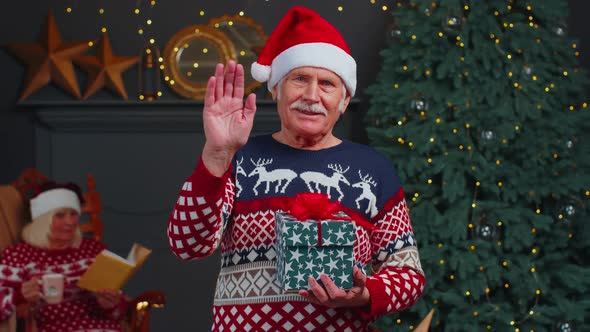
(313, 206)
(332, 296)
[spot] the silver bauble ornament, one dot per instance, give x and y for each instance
(487, 135)
(564, 326)
(527, 70)
(452, 23)
(419, 104)
(560, 29)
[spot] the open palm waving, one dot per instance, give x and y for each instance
(227, 119)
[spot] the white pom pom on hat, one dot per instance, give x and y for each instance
(259, 72)
(303, 38)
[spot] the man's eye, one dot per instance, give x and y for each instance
(327, 83)
(299, 78)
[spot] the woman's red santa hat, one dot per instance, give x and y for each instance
(303, 38)
(52, 196)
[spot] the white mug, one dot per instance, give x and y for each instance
(53, 287)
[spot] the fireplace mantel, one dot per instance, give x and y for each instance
(132, 116)
(138, 116)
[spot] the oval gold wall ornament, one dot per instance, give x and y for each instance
(190, 57)
(247, 37)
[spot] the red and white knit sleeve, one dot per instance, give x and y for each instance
(201, 213)
(398, 280)
(11, 278)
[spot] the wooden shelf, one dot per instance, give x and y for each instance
(132, 116)
(137, 116)
(160, 103)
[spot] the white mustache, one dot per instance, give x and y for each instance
(315, 108)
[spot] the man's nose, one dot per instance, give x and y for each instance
(311, 94)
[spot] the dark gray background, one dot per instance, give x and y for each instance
(141, 153)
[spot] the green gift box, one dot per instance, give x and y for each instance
(311, 248)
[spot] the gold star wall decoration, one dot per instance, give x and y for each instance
(49, 60)
(104, 69)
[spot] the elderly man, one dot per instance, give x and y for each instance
(239, 182)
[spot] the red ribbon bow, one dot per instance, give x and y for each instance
(317, 206)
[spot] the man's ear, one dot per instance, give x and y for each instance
(345, 103)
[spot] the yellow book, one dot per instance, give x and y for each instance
(111, 271)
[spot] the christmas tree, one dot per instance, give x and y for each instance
(480, 105)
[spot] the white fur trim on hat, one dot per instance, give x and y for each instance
(323, 55)
(53, 199)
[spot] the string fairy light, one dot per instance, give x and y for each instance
(143, 10)
(101, 12)
(152, 62)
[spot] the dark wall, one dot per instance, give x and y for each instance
(140, 155)
(579, 29)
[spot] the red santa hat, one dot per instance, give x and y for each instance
(61, 196)
(304, 38)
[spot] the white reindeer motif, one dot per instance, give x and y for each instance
(239, 170)
(365, 184)
(275, 175)
(329, 182)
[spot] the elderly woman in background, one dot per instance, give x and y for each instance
(53, 244)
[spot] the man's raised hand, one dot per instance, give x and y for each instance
(227, 119)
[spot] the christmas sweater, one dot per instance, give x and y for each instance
(79, 311)
(235, 212)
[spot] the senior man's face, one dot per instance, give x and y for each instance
(310, 101)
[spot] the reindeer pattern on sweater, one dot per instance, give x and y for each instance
(258, 174)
